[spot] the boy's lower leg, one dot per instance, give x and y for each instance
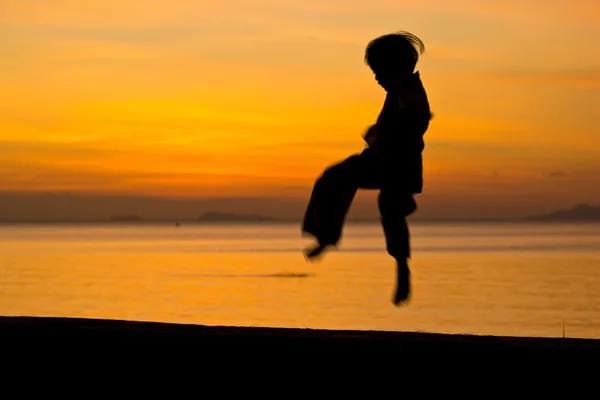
(394, 207)
(402, 290)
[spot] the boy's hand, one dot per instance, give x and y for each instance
(371, 135)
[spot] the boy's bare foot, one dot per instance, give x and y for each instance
(312, 253)
(402, 293)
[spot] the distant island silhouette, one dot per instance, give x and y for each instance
(579, 213)
(126, 218)
(38, 207)
(228, 217)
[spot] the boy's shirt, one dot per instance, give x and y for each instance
(396, 140)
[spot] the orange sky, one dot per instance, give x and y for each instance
(254, 97)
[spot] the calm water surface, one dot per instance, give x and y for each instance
(499, 279)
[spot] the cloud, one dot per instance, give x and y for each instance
(32, 176)
(516, 10)
(556, 174)
(36, 149)
(581, 77)
(310, 145)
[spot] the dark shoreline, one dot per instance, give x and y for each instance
(10, 325)
(38, 330)
(138, 357)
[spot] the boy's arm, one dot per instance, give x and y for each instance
(390, 126)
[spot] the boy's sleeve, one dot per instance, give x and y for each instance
(371, 135)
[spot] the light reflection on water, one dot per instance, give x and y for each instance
(501, 279)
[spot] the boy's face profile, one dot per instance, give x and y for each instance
(387, 76)
(383, 79)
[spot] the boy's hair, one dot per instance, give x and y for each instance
(400, 49)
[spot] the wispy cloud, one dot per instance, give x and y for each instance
(582, 77)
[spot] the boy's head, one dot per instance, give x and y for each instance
(393, 57)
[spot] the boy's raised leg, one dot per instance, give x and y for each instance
(329, 203)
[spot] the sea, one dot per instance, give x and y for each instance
(514, 279)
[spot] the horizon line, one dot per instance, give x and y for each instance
(285, 221)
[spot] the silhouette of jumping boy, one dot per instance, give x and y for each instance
(392, 163)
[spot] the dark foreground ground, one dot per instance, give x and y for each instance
(317, 360)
